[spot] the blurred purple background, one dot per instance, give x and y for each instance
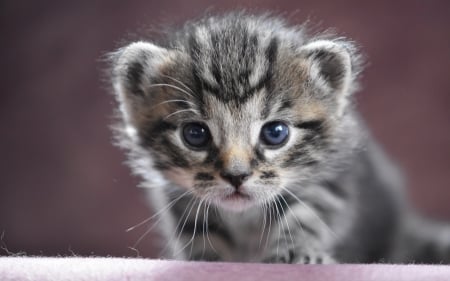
(63, 187)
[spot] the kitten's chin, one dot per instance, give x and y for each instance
(236, 202)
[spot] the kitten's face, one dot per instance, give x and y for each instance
(233, 123)
(236, 154)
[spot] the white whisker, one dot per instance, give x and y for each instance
(169, 101)
(264, 211)
(207, 233)
(180, 111)
(157, 221)
(295, 216)
(168, 206)
(270, 225)
(191, 203)
(171, 86)
(311, 210)
(179, 82)
(287, 223)
(195, 226)
(203, 230)
(280, 221)
(184, 224)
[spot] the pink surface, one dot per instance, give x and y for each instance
(74, 268)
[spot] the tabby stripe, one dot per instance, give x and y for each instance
(266, 80)
(212, 156)
(208, 87)
(285, 104)
(134, 74)
(283, 209)
(259, 153)
(215, 63)
(194, 51)
(204, 177)
(173, 152)
(155, 130)
(314, 125)
(334, 189)
(268, 175)
(299, 156)
(271, 52)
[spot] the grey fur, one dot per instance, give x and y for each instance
(327, 195)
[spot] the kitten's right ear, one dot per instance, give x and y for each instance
(133, 69)
(135, 65)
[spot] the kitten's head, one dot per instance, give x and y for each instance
(236, 109)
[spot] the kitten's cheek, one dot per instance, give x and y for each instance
(179, 177)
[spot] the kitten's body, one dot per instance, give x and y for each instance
(324, 193)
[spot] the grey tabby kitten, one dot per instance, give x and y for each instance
(245, 133)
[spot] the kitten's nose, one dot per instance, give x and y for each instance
(236, 179)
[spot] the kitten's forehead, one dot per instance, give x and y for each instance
(233, 61)
(234, 122)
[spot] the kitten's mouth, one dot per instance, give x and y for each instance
(236, 201)
(237, 195)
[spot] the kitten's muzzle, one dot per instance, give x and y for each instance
(236, 179)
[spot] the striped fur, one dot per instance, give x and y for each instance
(327, 194)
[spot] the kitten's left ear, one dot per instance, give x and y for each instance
(332, 64)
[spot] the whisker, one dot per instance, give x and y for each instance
(311, 210)
(180, 111)
(146, 233)
(270, 225)
(168, 206)
(190, 242)
(155, 223)
(195, 226)
(169, 101)
(194, 201)
(179, 82)
(180, 219)
(295, 216)
(207, 233)
(264, 210)
(203, 230)
(287, 223)
(279, 227)
(171, 86)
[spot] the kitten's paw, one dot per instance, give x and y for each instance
(300, 256)
(277, 258)
(316, 258)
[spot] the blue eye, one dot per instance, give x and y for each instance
(275, 133)
(196, 135)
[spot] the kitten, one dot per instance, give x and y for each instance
(245, 133)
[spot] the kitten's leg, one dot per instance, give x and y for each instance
(422, 241)
(299, 236)
(208, 247)
(201, 237)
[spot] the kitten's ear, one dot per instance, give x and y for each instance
(135, 65)
(332, 64)
(134, 69)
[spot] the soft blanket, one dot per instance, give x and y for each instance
(97, 269)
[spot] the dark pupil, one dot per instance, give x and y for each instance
(275, 133)
(195, 135)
